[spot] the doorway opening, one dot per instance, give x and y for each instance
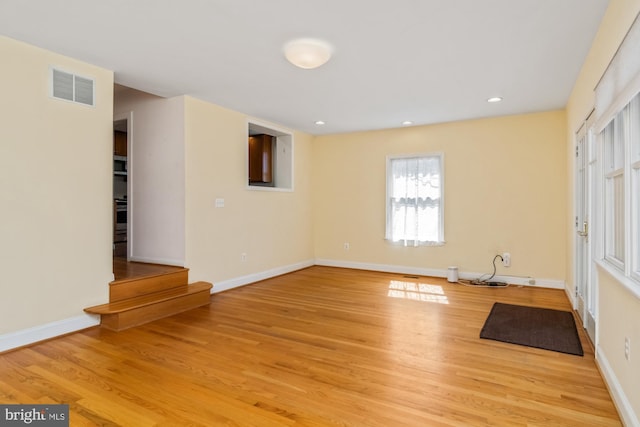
(121, 188)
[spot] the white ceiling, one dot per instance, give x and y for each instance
(427, 61)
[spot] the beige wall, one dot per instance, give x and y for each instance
(618, 309)
(619, 318)
(505, 191)
(272, 227)
(55, 187)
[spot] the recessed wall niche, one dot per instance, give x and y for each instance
(269, 157)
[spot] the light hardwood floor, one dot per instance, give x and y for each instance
(123, 269)
(322, 346)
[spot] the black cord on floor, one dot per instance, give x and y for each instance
(480, 281)
(476, 284)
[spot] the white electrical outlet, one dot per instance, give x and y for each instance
(346, 246)
(243, 257)
(627, 348)
(506, 259)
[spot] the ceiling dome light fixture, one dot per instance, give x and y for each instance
(494, 99)
(319, 122)
(407, 123)
(307, 53)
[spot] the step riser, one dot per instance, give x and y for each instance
(122, 290)
(141, 300)
(141, 315)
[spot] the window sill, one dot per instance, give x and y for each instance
(628, 283)
(272, 189)
(421, 245)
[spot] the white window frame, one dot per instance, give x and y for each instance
(617, 88)
(633, 151)
(627, 129)
(441, 205)
(614, 172)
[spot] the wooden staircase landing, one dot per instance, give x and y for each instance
(140, 300)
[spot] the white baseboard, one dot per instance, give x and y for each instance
(225, 285)
(163, 261)
(571, 297)
(402, 269)
(49, 330)
(625, 409)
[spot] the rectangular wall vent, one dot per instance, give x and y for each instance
(71, 87)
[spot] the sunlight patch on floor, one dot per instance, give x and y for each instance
(417, 292)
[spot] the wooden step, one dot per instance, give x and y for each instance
(130, 288)
(129, 312)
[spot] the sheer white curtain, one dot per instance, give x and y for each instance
(414, 200)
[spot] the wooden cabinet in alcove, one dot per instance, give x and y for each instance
(119, 143)
(260, 159)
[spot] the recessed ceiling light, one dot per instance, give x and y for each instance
(307, 53)
(320, 122)
(407, 123)
(494, 99)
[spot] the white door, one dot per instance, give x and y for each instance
(585, 277)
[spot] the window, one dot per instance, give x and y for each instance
(269, 158)
(621, 145)
(634, 142)
(613, 140)
(415, 200)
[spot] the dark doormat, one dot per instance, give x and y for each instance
(533, 327)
